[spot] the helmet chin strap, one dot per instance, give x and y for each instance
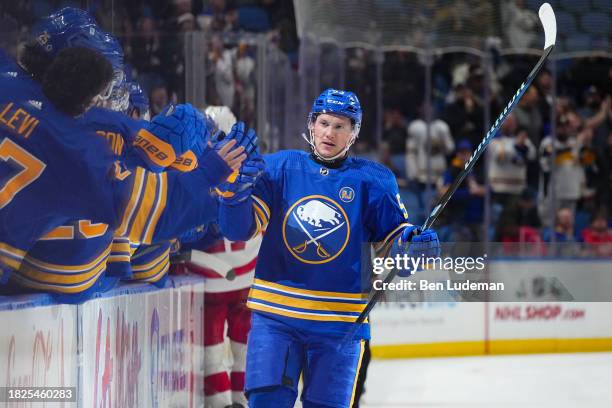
(310, 141)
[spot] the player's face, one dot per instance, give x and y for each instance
(331, 134)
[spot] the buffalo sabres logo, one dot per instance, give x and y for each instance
(347, 194)
(316, 229)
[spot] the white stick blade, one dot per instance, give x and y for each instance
(547, 17)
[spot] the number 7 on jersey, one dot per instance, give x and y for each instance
(32, 168)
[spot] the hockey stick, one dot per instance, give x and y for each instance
(547, 18)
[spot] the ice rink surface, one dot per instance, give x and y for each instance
(581, 380)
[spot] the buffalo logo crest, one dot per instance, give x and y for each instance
(316, 229)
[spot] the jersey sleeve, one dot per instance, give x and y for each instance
(157, 207)
(262, 202)
(387, 217)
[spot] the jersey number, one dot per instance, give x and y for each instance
(86, 230)
(402, 206)
(32, 168)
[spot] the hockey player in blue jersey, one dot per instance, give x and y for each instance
(131, 201)
(82, 244)
(319, 212)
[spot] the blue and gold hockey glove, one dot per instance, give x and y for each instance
(170, 134)
(239, 186)
(416, 243)
(422, 243)
(190, 159)
(243, 137)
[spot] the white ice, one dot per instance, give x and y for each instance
(582, 380)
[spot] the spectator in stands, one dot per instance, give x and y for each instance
(597, 113)
(145, 47)
(206, 16)
(464, 115)
(519, 222)
(464, 211)
(544, 84)
(172, 47)
(506, 231)
(232, 21)
(426, 156)
(476, 81)
(509, 152)
(214, 16)
(223, 72)
(182, 7)
(568, 178)
(245, 82)
(528, 115)
(598, 236)
(527, 211)
(385, 155)
(564, 227)
(159, 99)
(520, 24)
(186, 22)
(395, 133)
(587, 158)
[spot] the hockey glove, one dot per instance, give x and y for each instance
(416, 243)
(190, 159)
(425, 243)
(169, 135)
(244, 138)
(240, 186)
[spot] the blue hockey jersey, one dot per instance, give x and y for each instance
(82, 245)
(53, 171)
(101, 251)
(313, 269)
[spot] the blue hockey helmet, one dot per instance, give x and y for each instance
(138, 100)
(72, 27)
(336, 102)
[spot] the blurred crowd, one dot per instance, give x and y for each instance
(548, 171)
(153, 36)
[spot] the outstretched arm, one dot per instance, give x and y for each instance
(161, 206)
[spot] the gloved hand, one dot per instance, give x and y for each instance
(170, 134)
(239, 185)
(243, 137)
(235, 148)
(416, 243)
(422, 243)
(190, 159)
